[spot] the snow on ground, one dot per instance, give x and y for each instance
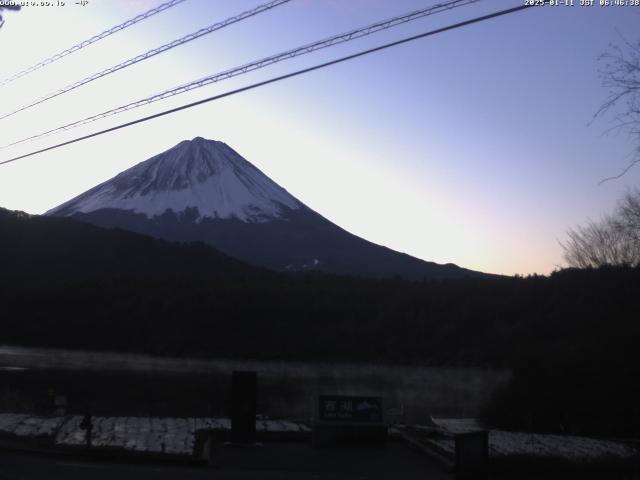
(10, 421)
(177, 436)
(454, 426)
(156, 435)
(136, 434)
(28, 426)
(70, 432)
(503, 443)
(280, 426)
(38, 426)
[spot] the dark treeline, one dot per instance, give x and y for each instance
(572, 338)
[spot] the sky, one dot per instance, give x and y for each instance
(476, 146)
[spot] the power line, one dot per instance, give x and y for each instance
(258, 64)
(95, 38)
(274, 80)
(152, 53)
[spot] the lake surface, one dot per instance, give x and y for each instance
(114, 383)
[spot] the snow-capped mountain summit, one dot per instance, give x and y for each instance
(202, 190)
(199, 174)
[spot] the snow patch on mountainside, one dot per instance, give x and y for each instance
(203, 174)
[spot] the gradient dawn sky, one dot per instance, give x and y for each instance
(473, 146)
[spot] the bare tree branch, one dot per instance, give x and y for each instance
(622, 173)
(614, 240)
(620, 74)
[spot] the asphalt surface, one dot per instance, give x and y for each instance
(270, 461)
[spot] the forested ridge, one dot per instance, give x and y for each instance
(572, 337)
(69, 284)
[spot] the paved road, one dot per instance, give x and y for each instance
(271, 461)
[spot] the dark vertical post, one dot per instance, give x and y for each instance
(243, 407)
(472, 455)
(87, 426)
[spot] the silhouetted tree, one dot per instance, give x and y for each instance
(614, 240)
(629, 217)
(621, 76)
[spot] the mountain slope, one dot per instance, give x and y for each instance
(66, 284)
(52, 252)
(202, 190)
(199, 173)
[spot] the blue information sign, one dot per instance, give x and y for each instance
(350, 409)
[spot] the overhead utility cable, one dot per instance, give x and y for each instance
(151, 53)
(272, 80)
(94, 39)
(328, 42)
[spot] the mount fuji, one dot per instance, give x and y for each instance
(203, 190)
